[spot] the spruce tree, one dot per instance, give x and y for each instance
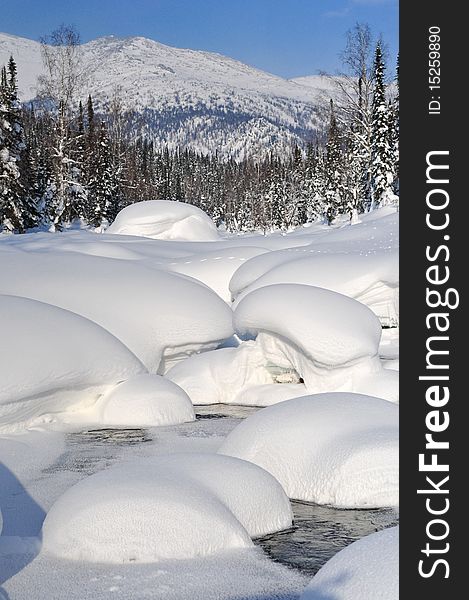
(382, 163)
(102, 183)
(395, 132)
(16, 207)
(333, 170)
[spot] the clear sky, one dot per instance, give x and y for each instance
(286, 37)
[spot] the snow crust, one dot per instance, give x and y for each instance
(172, 507)
(165, 220)
(368, 568)
(338, 449)
(52, 360)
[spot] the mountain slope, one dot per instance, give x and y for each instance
(187, 97)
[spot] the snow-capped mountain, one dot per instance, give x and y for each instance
(189, 97)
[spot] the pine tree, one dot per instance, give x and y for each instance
(382, 163)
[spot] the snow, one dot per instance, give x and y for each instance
(216, 268)
(368, 568)
(339, 449)
(145, 401)
(113, 333)
(268, 394)
(54, 361)
(165, 220)
(330, 340)
(161, 317)
(174, 507)
(329, 328)
(192, 98)
(218, 377)
(372, 279)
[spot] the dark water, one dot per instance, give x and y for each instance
(95, 449)
(319, 532)
(224, 411)
(103, 437)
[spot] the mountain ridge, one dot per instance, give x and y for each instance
(185, 97)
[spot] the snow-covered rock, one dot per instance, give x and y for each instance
(372, 279)
(365, 570)
(171, 507)
(146, 401)
(52, 360)
(256, 499)
(338, 449)
(330, 340)
(165, 220)
(161, 317)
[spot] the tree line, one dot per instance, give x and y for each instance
(61, 160)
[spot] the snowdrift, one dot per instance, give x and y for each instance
(338, 449)
(367, 569)
(372, 279)
(330, 340)
(165, 220)
(171, 507)
(161, 317)
(52, 360)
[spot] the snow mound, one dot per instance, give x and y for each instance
(255, 498)
(330, 340)
(165, 220)
(372, 279)
(146, 401)
(338, 449)
(161, 317)
(328, 328)
(173, 507)
(219, 376)
(52, 360)
(367, 569)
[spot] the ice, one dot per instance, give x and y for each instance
(172, 507)
(367, 569)
(339, 449)
(54, 361)
(165, 220)
(145, 401)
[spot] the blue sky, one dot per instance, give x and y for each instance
(286, 37)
